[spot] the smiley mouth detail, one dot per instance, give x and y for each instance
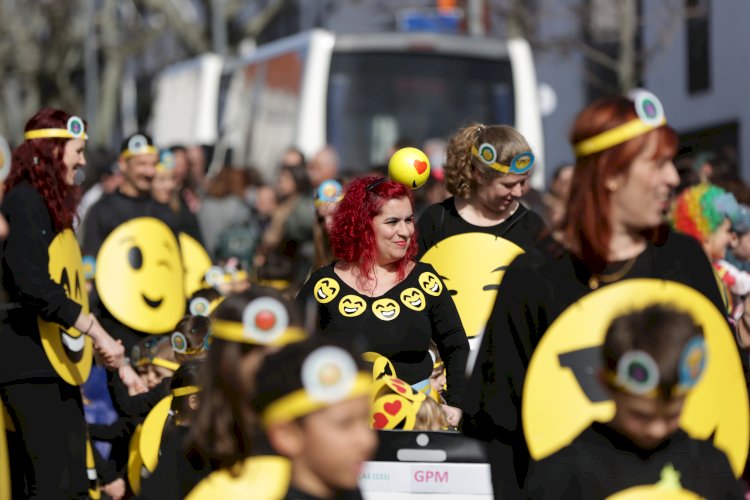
(388, 314)
(152, 303)
(73, 345)
(350, 310)
(416, 303)
(321, 295)
(434, 287)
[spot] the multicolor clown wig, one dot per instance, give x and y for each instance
(699, 210)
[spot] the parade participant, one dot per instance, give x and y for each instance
(651, 359)
(225, 430)
(316, 412)
(377, 297)
(43, 274)
(615, 231)
(191, 337)
(487, 171)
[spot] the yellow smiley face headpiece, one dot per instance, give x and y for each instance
(395, 404)
(218, 275)
(651, 116)
(138, 144)
(166, 161)
(329, 375)
(265, 322)
(487, 154)
(74, 129)
(638, 374)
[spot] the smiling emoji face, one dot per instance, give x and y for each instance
(386, 309)
(326, 289)
(139, 276)
(68, 350)
(351, 306)
(195, 262)
(430, 283)
(413, 299)
(472, 281)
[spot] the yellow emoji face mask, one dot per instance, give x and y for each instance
(473, 281)
(351, 306)
(68, 350)
(562, 378)
(139, 276)
(386, 309)
(195, 262)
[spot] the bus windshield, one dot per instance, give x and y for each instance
(377, 99)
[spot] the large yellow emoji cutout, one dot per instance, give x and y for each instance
(139, 276)
(351, 306)
(326, 289)
(562, 378)
(4, 464)
(386, 309)
(472, 266)
(195, 263)
(68, 350)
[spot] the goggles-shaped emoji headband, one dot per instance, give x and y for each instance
(181, 345)
(166, 161)
(651, 116)
(329, 191)
(265, 322)
(217, 275)
(638, 374)
(487, 154)
(200, 306)
(138, 145)
(74, 129)
(395, 404)
(329, 375)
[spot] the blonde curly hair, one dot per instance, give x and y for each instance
(460, 180)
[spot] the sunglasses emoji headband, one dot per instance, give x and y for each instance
(487, 154)
(651, 116)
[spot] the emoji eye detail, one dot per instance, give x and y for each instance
(135, 258)
(65, 281)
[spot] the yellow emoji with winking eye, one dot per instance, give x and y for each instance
(413, 299)
(326, 289)
(386, 309)
(351, 306)
(68, 350)
(139, 276)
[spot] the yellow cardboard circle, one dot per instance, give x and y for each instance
(472, 265)
(4, 464)
(139, 276)
(195, 262)
(69, 351)
(153, 428)
(717, 405)
(135, 462)
(259, 478)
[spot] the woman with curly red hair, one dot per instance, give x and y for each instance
(615, 230)
(47, 338)
(377, 297)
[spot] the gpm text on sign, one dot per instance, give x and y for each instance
(429, 476)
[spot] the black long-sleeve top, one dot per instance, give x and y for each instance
(398, 324)
(26, 277)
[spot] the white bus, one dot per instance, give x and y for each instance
(364, 92)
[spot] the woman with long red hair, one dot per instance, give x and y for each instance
(46, 350)
(378, 298)
(615, 230)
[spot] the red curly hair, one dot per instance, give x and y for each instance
(352, 236)
(40, 162)
(588, 228)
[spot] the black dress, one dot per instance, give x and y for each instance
(531, 296)
(601, 462)
(398, 324)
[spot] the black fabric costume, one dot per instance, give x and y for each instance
(405, 339)
(295, 494)
(601, 462)
(531, 296)
(105, 216)
(439, 221)
(46, 411)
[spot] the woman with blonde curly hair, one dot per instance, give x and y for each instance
(487, 170)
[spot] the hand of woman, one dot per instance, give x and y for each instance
(452, 414)
(131, 380)
(115, 489)
(111, 351)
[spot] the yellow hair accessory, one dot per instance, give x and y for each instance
(277, 284)
(650, 116)
(164, 363)
(185, 391)
(138, 145)
(75, 130)
(234, 331)
(265, 321)
(520, 164)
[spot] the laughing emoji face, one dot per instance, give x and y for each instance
(413, 299)
(386, 309)
(351, 306)
(195, 261)
(68, 350)
(326, 289)
(139, 276)
(430, 283)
